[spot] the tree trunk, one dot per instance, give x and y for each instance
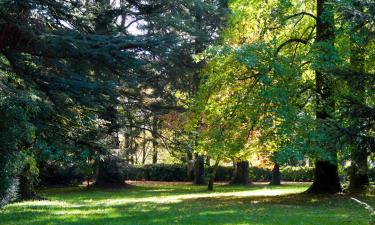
(154, 141)
(358, 171)
(199, 170)
(208, 161)
(144, 153)
(26, 188)
(326, 178)
(155, 153)
(190, 165)
(241, 173)
(127, 146)
(276, 177)
(212, 176)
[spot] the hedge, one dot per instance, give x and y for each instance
(162, 172)
(178, 172)
(290, 173)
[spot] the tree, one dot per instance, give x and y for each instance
(358, 94)
(77, 57)
(326, 178)
(284, 79)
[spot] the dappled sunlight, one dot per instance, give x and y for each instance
(185, 204)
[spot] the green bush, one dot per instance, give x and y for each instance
(162, 172)
(259, 174)
(60, 174)
(178, 172)
(299, 174)
(223, 173)
(112, 171)
(16, 135)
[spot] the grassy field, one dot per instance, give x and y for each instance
(162, 203)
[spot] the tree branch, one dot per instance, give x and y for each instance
(303, 14)
(297, 40)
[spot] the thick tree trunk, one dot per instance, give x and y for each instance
(358, 171)
(199, 170)
(276, 176)
(212, 176)
(241, 173)
(326, 178)
(26, 187)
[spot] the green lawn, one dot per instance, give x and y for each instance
(187, 204)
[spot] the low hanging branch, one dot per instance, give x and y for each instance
(293, 40)
(303, 14)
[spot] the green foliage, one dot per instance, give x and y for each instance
(223, 173)
(53, 173)
(179, 172)
(300, 173)
(72, 61)
(259, 89)
(16, 136)
(163, 172)
(112, 171)
(259, 174)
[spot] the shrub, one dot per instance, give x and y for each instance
(299, 173)
(163, 172)
(259, 174)
(60, 174)
(178, 172)
(112, 171)
(223, 173)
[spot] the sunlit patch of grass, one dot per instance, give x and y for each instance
(186, 204)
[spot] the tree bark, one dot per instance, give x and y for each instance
(241, 173)
(276, 176)
(358, 177)
(212, 176)
(190, 165)
(199, 170)
(154, 141)
(26, 188)
(144, 142)
(326, 179)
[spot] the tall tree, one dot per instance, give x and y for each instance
(77, 57)
(326, 179)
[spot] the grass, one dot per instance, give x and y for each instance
(153, 203)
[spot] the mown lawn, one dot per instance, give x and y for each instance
(154, 203)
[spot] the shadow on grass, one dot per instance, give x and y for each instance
(184, 204)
